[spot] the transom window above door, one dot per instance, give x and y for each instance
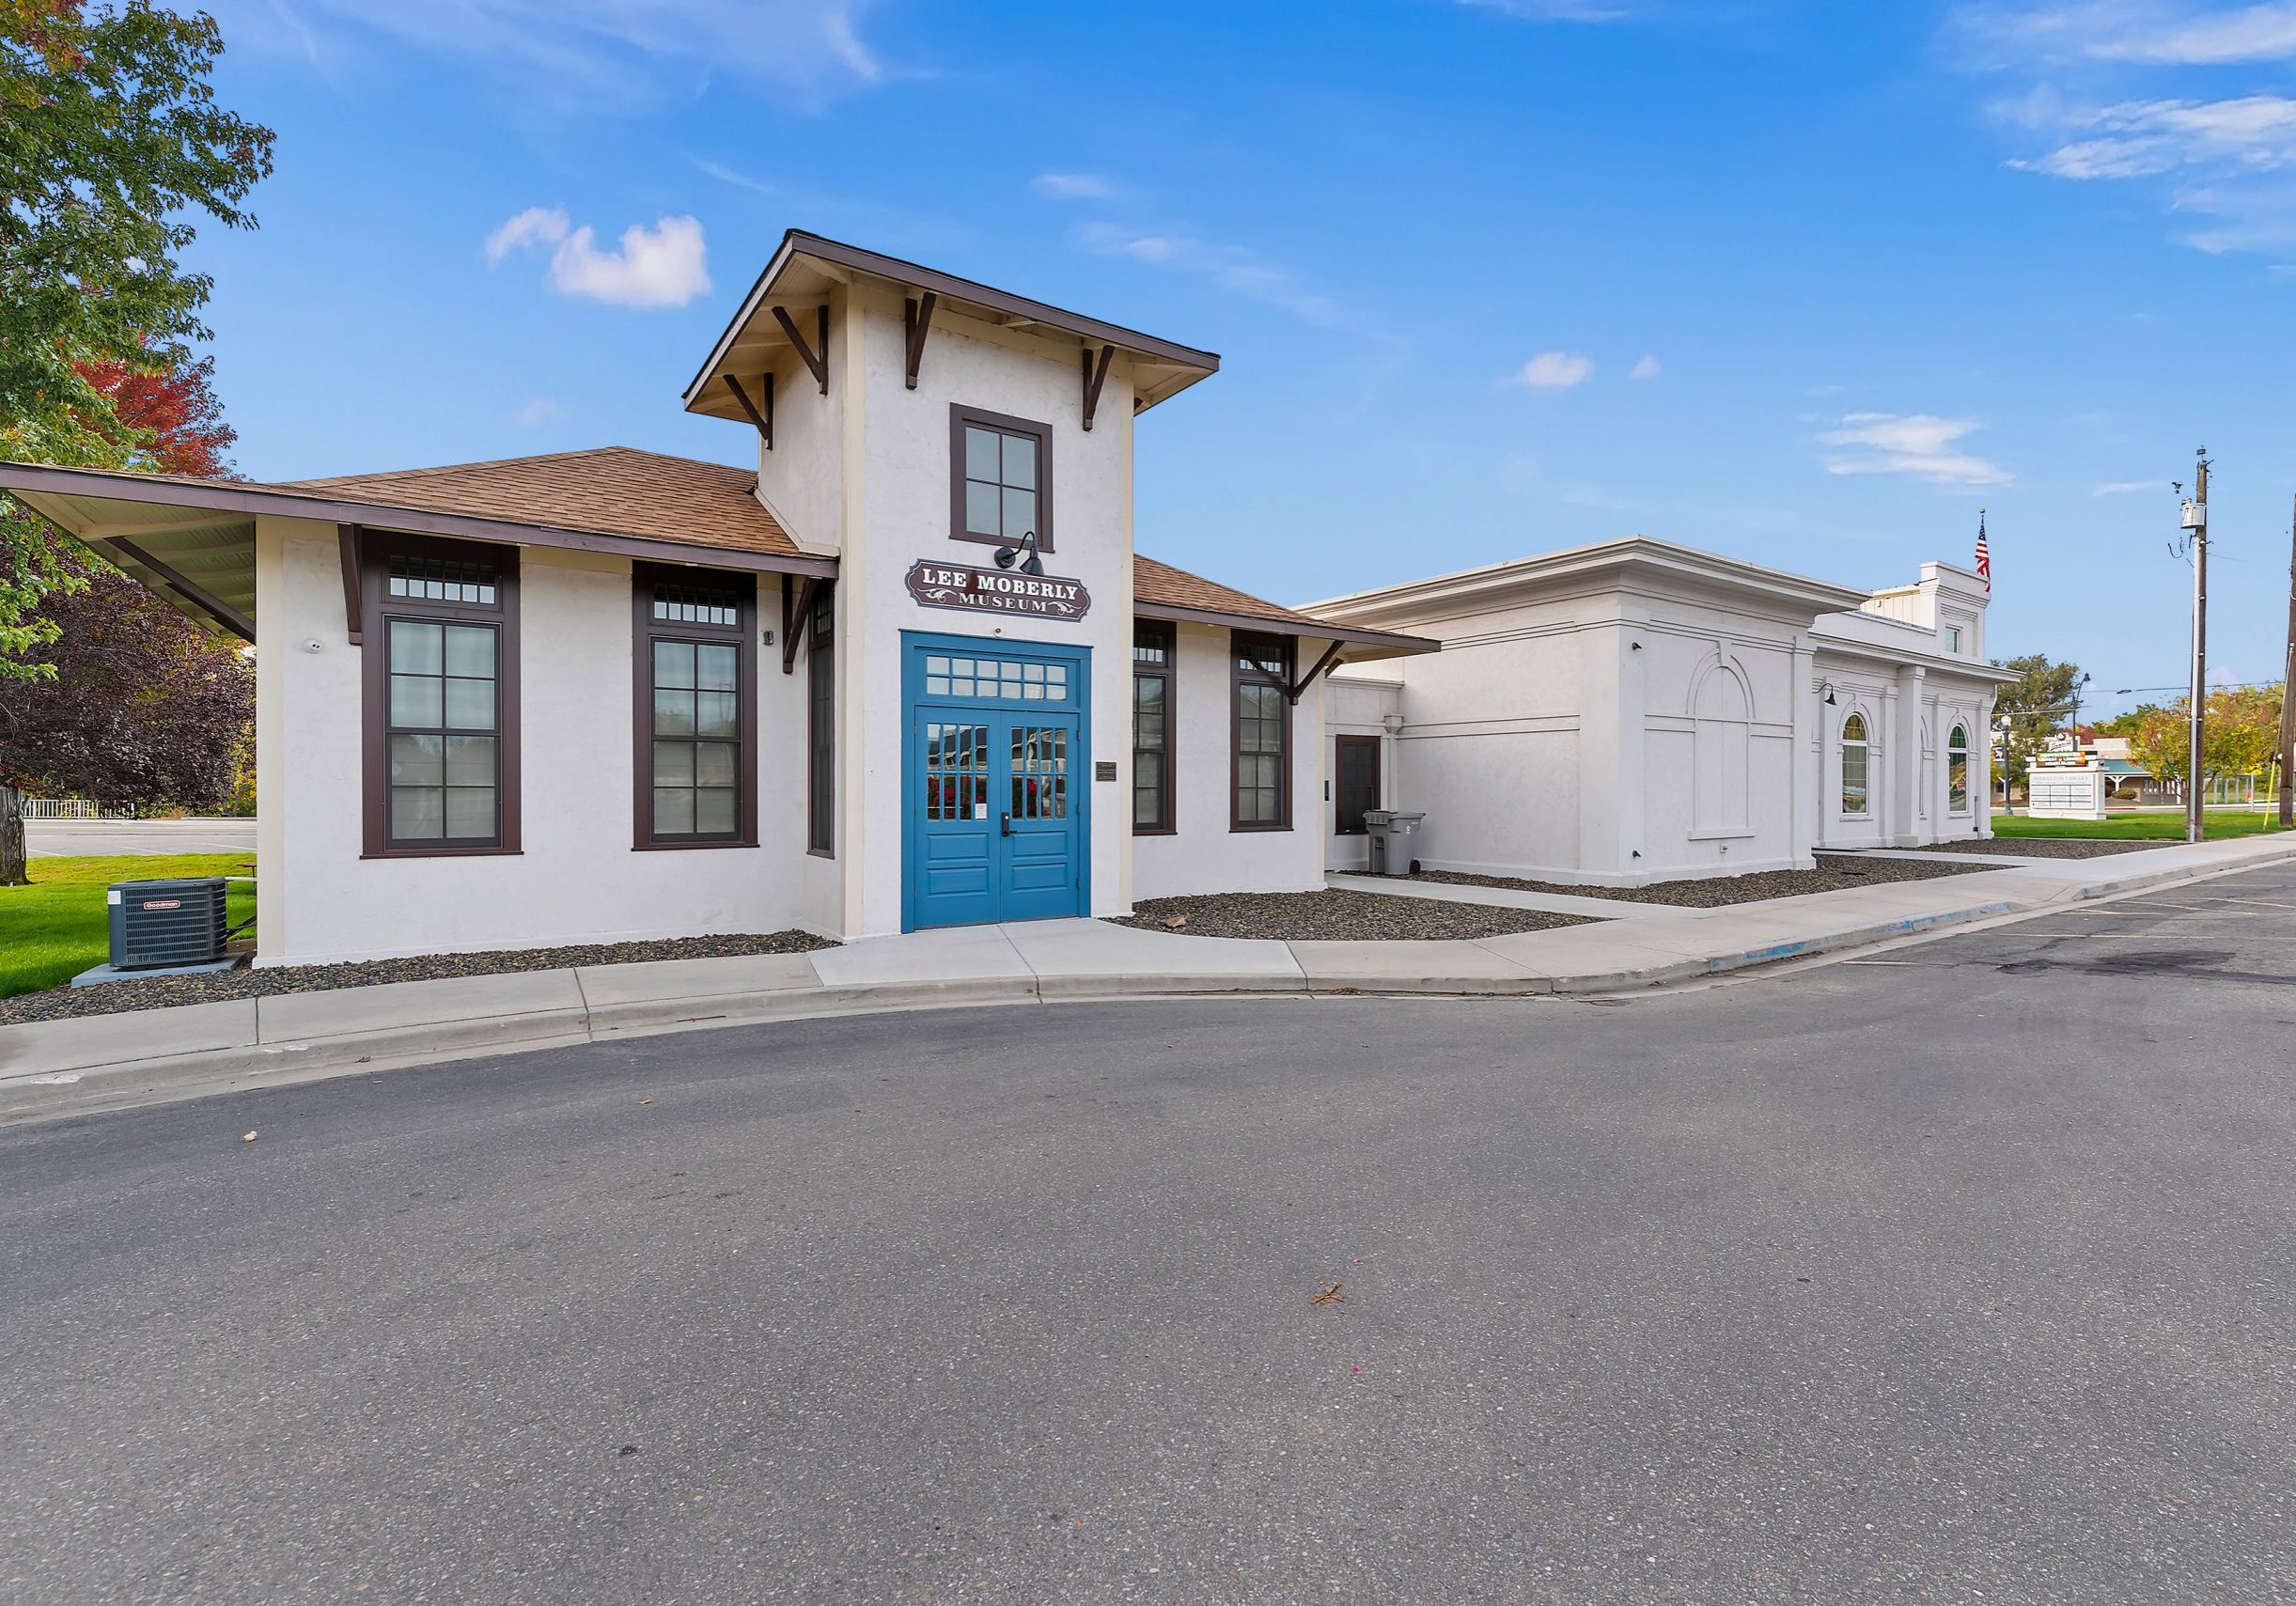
(1016, 680)
(1001, 478)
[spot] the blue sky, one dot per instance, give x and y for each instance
(1804, 283)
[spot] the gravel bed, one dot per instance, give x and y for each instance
(2046, 847)
(1337, 917)
(1835, 871)
(157, 993)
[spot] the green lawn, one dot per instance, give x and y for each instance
(55, 928)
(2139, 827)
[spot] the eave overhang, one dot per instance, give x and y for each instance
(807, 267)
(193, 541)
(1357, 644)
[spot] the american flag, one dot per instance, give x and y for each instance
(1985, 558)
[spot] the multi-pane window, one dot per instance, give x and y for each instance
(698, 738)
(820, 723)
(695, 718)
(439, 630)
(1853, 755)
(1001, 478)
(1957, 770)
(1152, 647)
(443, 773)
(1017, 680)
(1261, 759)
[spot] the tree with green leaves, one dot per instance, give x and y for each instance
(110, 138)
(2030, 709)
(2239, 736)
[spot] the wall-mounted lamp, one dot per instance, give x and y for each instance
(1032, 564)
(1829, 690)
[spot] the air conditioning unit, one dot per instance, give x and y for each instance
(158, 924)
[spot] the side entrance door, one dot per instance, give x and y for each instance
(993, 818)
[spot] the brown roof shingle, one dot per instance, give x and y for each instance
(613, 490)
(1163, 585)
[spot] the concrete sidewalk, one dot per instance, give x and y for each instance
(89, 1062)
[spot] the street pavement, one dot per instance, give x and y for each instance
(1959, 1271)
(60, 838)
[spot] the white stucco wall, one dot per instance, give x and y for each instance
(897, 511)
(1202, 854)
(577, 878)
(1356, 702)
(801, 478)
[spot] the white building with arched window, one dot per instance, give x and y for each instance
(1636, 712)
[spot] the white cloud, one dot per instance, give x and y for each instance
(2227, 161)
(1918, 443)
(2152, 33)
(1074, 187)
(1236, 268)
(1553, 370)
(587, 55)
(539, 413)
(1647, 370)
(663, 266)
(547, 224)
(2128, 487)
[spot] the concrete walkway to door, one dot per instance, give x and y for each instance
(96, 1061)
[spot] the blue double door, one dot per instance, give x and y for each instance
(996, 781)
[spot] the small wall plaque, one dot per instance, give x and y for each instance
(1104, 769)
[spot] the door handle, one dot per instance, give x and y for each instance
(1007, 823)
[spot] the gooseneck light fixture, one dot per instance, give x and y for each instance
(1031, 563)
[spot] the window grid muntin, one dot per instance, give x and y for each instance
(679, 603)
(977, 677)
(1259, 756)
(956, 771)
(442, 748)
(1856, 781)
(695, 773)
(1040, 772)
(417, 577)
(1152, 656)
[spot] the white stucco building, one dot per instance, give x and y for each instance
(1634, 712)
(907, 669)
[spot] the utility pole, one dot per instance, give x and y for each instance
(2196, 520)
(2287, 700)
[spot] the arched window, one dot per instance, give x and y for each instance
(1957, 770)
(1853, 792)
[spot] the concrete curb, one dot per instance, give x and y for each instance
(72, 1090)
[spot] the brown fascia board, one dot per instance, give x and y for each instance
(1317, 629)
(233, 496)
(949, 287)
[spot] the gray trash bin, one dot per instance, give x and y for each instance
(1391, 831)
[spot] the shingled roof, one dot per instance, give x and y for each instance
(614, 490)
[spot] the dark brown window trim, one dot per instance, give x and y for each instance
(1340, 743)
(742, 636)
(821, 725)
(958, 416)
(1239, 678)
(376, 609)
(1169, 671)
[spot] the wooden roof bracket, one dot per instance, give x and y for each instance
(764, 421)
(796, 617)
(1096, 375)
(916, 322)
(199, 596)
(1298, 688)
(815, 359)
(350, 543)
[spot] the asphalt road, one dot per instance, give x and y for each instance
(1963, 1274)
(57, 839)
